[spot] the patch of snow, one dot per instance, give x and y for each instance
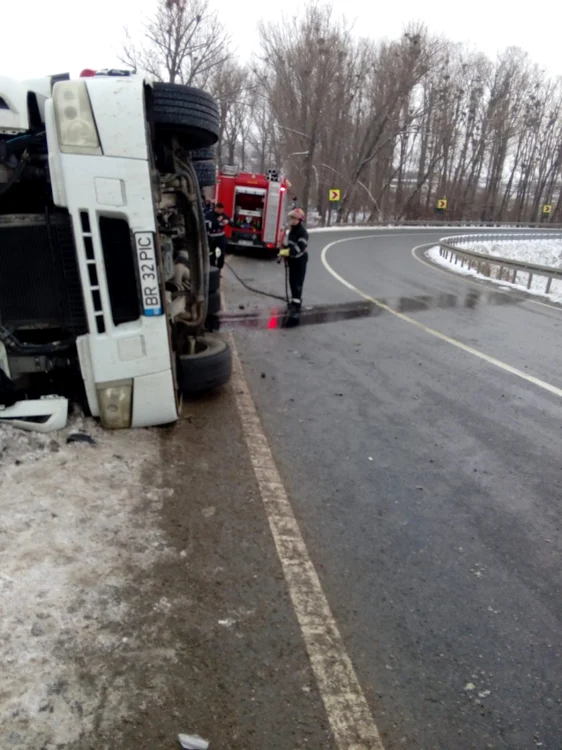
(79, 522)
(543, 252)
(413, 227)
(379, 227)
(535, 251)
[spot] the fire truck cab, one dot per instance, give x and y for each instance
(256, 204)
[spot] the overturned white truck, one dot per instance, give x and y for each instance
(105, 286)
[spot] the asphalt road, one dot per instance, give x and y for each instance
(427, 481)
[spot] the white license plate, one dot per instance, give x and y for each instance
(248, 243)
(148, 273)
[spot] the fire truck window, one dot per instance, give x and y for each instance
(248, 212)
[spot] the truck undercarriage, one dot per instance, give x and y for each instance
(99, 243)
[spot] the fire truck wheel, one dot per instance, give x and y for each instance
(214, 279)
(214, 304)
(206, 173)
(188, 113)
(209, 368)
(204, 154)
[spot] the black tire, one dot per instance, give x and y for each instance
(206, 173)
(204, 154)
(208, 369)
(212, 323)
(214, 304)
(185, 111)
(214, 279)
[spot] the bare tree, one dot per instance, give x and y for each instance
(396, 71)
(231, 84)
(396, 125)
(183, 43)
(303, 58)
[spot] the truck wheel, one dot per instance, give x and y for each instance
(185, 111)
(204, 154)
(206, 173)
(212, 323)
(209, 368)
(214, 279)
(214, 304)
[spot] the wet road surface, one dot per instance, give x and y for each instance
(426, 481)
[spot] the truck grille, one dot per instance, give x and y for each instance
(39, 277)
(120, 269)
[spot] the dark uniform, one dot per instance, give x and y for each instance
(297, 242)
(217, 238)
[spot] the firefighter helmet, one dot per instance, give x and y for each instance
(297, 213)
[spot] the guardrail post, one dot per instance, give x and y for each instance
(463, 248)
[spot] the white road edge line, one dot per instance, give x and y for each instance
(432, 331)
(348, 712)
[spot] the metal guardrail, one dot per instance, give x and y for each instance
(508, 268)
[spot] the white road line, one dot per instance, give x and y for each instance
(467, 280)
(349, 715)
(432, 331)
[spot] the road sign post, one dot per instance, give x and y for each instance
(334, 196)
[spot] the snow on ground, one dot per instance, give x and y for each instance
(545, 252)
(342, 227)
(78, 523)
(345, 227)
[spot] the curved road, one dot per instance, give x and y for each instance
(422, 456)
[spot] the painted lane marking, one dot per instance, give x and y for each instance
(434, 267)
(432, 331)
(348, 712)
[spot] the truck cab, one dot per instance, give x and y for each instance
(104, 271)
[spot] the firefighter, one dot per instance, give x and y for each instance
(295, 253)
(207, 205)
(217, 220)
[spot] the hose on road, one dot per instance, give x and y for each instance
(261, 291)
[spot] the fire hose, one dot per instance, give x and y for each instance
(261, 291)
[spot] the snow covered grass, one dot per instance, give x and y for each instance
(378, 227)
(545, 252)
(343, 227)
(78, 525)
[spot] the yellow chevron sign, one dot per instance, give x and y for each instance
(547, 208)
(442, 203)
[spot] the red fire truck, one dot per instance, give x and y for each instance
(256, 205)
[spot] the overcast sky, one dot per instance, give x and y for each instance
(56, 36)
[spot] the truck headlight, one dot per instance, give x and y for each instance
(115, 402)
(76, 127)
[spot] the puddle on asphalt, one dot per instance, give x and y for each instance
(331, 313)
